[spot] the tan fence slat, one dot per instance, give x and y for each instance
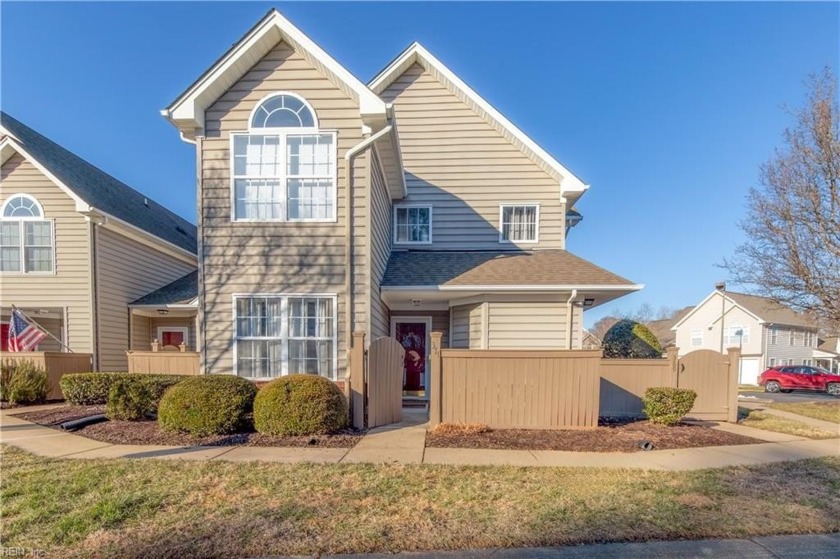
(384, 382)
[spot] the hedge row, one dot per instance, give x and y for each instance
(87, 389)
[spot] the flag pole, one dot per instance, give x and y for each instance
(42, 329)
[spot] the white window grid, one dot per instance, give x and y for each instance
(27, 240)
(526, 231)
(414, 224)
(272, 182)
(696, 338)
(774, 335)
(275, 332)
(731, 337)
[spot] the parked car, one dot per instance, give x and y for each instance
(799, 377)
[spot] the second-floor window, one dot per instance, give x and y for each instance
(412, 225)
(284, 168)
(26, 238)
(519, 223)
(696, 338)
(774, 335)
(736, 335)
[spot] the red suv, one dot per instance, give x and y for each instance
(799, 377)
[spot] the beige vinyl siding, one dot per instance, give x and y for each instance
(459, 164)
(125, 271)
(706, 318)
(466, 321)
(244, 258)
(141, 333)
(380, 247)
(70, 286)
(527, 325)
(440, 322)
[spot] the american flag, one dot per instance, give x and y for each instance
(23, 336)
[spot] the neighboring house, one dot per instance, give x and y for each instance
(768, 334)
(663, 328)
(394, 208)
(77, 246)
(827, 354)
(590, 340)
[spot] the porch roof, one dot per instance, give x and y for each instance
(182, 291)
(548, 269)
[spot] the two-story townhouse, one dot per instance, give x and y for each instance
(406, 205)
(77, 247)
(768, 333)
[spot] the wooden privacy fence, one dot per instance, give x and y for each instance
(56, 364)
(570, 388)
(375, 382)
(163, 362)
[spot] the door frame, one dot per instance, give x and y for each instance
(185, 330)
(427, 320)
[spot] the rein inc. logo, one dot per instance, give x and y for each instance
(22, 552)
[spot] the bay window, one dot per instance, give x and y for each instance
(285, 334)
(284, 168)
(519, 223)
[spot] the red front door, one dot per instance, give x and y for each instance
(412, 336)
(172, 337)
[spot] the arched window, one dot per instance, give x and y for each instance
(284, 167)
(283, 110)
(26, 238)
(22, 206)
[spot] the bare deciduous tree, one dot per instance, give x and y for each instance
(792, 252)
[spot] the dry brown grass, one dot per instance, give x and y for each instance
(769, 422)
(461, 429)
(159, 508)
(826, 411)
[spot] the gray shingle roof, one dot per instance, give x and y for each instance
(771, 311)
(544, 267)
(102, 191)
(179, 292)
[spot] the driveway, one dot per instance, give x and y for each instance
(797, 396)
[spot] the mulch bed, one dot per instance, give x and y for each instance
(148, 433)
(614, 436)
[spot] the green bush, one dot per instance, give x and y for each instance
(628, 339)
(207, 405)
(300, 405)
(136, 397)
(667, 406)
(22, 382)
(88, 389)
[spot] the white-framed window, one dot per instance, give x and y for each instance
(791, 338)
(799, 338)
(277, 335)
(27, 239)
(772, 362)
(736, 335)
(774, 335)
(807, 362)
(412, 225)
(519, 223)
(697, 338)
(284, 168)
(173, 335)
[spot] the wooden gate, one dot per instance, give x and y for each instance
(714, 377)
(384, 379)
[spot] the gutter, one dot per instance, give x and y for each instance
(570, 317)
(348, 227)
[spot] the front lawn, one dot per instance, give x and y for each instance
(827, 411)
(132, 508)
(769, 422)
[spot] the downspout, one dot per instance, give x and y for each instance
(348, 228)
(570, 317)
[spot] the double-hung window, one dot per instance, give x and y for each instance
(284, 168)
(774, 335)
(26, 238)
(519, 223)
(696, 338)
(736, 335)
(412, 225)
(285, 334)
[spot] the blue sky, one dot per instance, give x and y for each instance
(666, 109)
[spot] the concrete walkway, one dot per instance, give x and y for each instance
(404, 443)
(823, 546)
(810, 421)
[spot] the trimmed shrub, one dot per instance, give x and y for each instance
(628, 339)
(300, 405)
(22, 382)
(136, 397)
(89, 389)
(667, 406)
(207, 405)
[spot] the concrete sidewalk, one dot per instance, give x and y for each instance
(825, 546)
(404, 443)
(810, 421)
